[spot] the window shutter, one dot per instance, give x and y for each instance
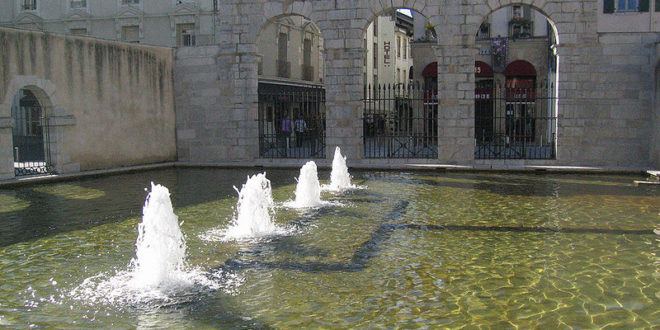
(643, 6)
(608, 6)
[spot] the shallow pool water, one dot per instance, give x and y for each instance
(408, 249)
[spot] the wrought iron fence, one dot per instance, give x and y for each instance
(291, 121)
(400, 121)
(31, 136)
(515, 122)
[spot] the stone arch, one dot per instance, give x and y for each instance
(483, 11)
(275, 10)
(43, 89)
(378, 9)
(46, 93)
(291, 22)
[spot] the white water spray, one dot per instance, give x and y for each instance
(158, 274)
(340, 180)
(308, 189)
(253, 210)
(160, 247)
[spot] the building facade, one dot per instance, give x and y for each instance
(604, 107)
(170, 23)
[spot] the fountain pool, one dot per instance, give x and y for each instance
(408, 249)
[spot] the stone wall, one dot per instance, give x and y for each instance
(109, 104)
(606, 82)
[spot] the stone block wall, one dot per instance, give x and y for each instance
(605, 82)
(109, 104)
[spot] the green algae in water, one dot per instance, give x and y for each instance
(71, 191)
(9, 203)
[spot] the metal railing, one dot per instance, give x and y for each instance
(515, 123)
(31, 138)
(400, 121)
(291, 121)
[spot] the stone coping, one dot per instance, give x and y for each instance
(327, 165)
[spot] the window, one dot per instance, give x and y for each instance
(185, 35)
(130, 34)
(282, 46)
(29, 4)
(398, 46)
(130, 2)
(626, 5)
(623, 6)
(307, 52)
(405, 49)
(78, 32)
(74, 4)
(484, 31)
(375, 64)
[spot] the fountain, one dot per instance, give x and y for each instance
(308, 189)
(158, 274)
(340, 180)
(253, 211)
(160, 246)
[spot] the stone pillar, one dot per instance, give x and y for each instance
(59, 155)
(455, 86)
(455, 104)
(343, 83)
(6, 149)
(654, 143)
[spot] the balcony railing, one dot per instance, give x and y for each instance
(308, 72)
(283, 69)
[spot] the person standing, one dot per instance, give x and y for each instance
(301, 128)
(286, 129)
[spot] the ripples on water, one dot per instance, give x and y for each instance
(412, 249)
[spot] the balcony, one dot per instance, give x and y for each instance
(308, 72)
(283, 69)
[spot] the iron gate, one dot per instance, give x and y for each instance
(515, 122)
(31, 136)
(291, 121)
(400, 121)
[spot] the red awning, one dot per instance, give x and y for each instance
(482, 69)
(431, 70)
(520, 68)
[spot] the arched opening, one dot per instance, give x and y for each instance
(483, 102)
(291, 90)
(30, 134)
(515, 104)
(399, 118)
